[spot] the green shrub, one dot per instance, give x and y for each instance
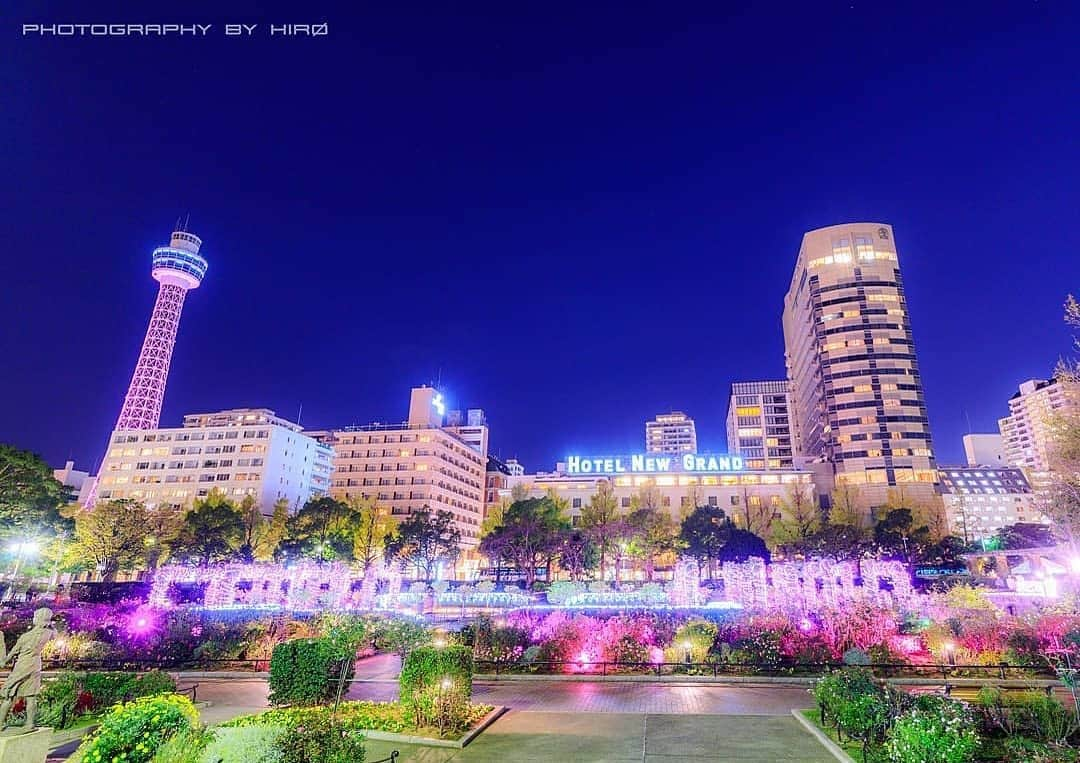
(133, 732)
(855, 656)
(107, 689)
(1028, 713)
(307, 671)
(436, 685)
(835, 690)
(319, 740)
(1023, 750)
(153, 682)
(245, 744)
(700, 635)
(58, 702)
(186, 747)
(941, 731)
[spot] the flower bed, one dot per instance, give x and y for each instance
(393, 717)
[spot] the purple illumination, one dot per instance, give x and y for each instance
(142, 623)
(806, 625)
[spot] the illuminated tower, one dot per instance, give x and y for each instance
(178, 267)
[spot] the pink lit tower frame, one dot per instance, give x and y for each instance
(178, 268)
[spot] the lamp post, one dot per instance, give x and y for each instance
(688, 654)
(21, 550)
(950, 653)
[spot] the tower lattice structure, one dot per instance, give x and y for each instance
(178, 268)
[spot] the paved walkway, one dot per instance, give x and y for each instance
(232, 697)
(622, 738)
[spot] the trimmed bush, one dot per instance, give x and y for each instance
(186, 747)
(133, 732)
(308, 671)
(941, 731)
(245, 744)
(436, 686)
(1028, 713)
(836, 690)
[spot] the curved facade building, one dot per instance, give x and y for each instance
(859, 414)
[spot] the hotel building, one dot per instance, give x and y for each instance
(1027, 429)
(980, 500)
(859, 414)
(416, 464)
(239, 452)
(671, 433)
(675, 483)
(985, 450)
(758, 424)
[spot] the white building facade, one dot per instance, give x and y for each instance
(239, 452)
(980, 500)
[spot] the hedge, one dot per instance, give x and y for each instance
(308, 671)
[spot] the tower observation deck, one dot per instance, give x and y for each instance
(178, 268)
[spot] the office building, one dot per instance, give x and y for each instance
(758, 424)
(985, 450)
(239, 452)
(419, 463)
(980, 500)
(671, 433)
(859, 416)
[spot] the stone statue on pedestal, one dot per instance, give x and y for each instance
(25, 678)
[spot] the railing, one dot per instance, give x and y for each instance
(717, 669)
(393, 757)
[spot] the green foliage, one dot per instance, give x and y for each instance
(529, 536)
(933, 732)
(133, 732)
(323, 529)
(211, 531)
(1028, 713)
(704, 532)
(855, 656)
(245, 744)
(436, 685)
(401, 635)
(307, 671)
(423, 539)
(112, 535)
(318, 739)
(58, 702)
(30, 497)
(490, 642)
(1024, 750)
(188, 746)
(836, 690)
(700, 635)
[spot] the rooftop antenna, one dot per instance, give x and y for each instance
(186, 221)
(968, 418)
(300, 413)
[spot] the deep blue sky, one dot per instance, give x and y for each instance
(579, 215)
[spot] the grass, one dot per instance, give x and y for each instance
(852, 748)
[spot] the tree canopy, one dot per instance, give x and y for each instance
(529, 537)
(211, 531)
(113, 535)
(422, 540)
(30, 497)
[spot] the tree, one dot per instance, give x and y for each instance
(1024, 535)
(529, 537)
(897, 535)
(577, 553)
(703, 534)
(847, 507)
(30, 497)
(323, 529)
(276, 530)
(758, 514)
(372, 525)
(1062, 505)
(113, 535)
(652, 534)
(212, 530)
(800, 518)
(422, 540)
(165, 523)
(840, 542)
(741, 545)
(604, 523)
(254, 529)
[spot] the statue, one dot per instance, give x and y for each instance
(25, 678)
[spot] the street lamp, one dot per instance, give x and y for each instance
(687, 652)
(950, 653)
(21, 550)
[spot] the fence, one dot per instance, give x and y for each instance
(1001, 671)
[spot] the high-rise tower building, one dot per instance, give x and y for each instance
(1028, 429)
(671, 433)
(179, 268)
(859, 412)
(759, 424)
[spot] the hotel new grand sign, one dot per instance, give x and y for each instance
(654, 463)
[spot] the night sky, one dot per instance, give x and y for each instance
(575, 216)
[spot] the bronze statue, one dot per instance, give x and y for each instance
(25, 678)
